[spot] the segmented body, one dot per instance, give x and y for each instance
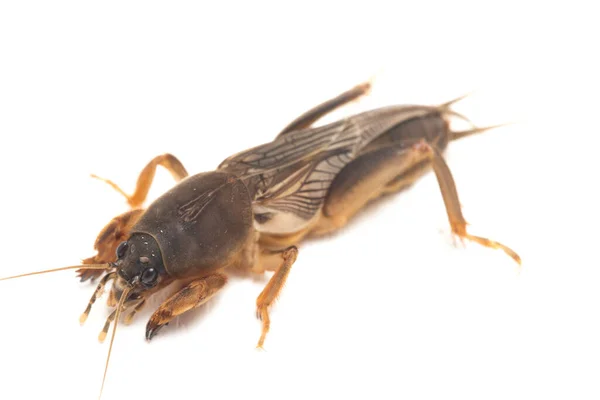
(289, 178)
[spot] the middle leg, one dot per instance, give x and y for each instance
(270, 293)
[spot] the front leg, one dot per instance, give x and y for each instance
(270, 293)
(118, 228)
(189, 297)
(142, 187)
(116, 231)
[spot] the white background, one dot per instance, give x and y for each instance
(389, 307)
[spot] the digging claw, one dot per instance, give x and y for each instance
(88, 274)
(152, 329)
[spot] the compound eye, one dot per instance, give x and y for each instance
(123, 246)
(149, 276)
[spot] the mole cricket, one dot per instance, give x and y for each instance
(252, 211)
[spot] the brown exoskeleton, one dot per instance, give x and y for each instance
(252, 211)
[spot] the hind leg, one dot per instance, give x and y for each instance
(367, 178)
(389, 169)
(311, 116)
